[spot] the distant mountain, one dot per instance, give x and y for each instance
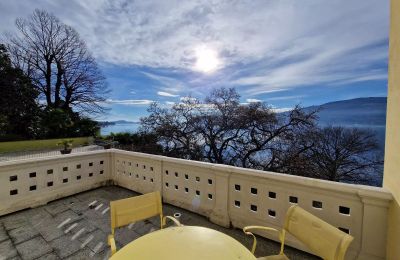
(360, 112)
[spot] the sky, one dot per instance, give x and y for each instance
(283, 52)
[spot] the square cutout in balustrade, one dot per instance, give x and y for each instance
(78, 166)
(13, 192)
(186, 177)
(344, 210)
(272, 213)
(345, 230)
(317, 204)
(253, 208)
(253, 191)
(65, 169)
(210, 196)
(91, 164)
(50, 171)
(237, 203)
(102, 162)
(65, 180)
(210, 181)
(14, 178)
(186, 190)
(78, 177)
(32, 175)
(91, 174)
(49, 184)
(32, 188)
(293, 200)
(272, 195)
(237, 187)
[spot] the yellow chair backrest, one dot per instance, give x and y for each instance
(126, 211)
(324, 240)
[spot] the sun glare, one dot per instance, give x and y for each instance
(206, 60)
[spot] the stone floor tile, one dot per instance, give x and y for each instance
(3, 233)
(65, 215)
(64, 246)
(95, 241)
(49, 230)
(146, 228)
(22, 234)
(51, 256)
(55, 207)
(7, 250)
(14, 221)
(125, 235)
(82, 254)
(33, 248)
(104, 225)
(14, 258)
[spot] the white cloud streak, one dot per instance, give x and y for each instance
(130, 102)
(166, 94)
(253, 100)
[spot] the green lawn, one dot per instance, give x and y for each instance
(41, 144)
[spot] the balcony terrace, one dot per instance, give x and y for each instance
(69, 228)
(69, 197)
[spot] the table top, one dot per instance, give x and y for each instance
(186, 242)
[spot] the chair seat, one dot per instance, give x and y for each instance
(274, 257)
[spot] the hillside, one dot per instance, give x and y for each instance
(360, 112)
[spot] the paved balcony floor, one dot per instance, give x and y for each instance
(77, 227)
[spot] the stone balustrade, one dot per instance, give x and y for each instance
(228, 196)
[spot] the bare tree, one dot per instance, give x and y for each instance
(219, 124)
(57, 60)
(221, 130)
(344, 155)
(175, 128)
(270, 137)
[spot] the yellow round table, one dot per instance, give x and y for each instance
(186, 242)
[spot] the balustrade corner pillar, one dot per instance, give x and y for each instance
(220, 213)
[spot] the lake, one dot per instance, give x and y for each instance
(119, 128)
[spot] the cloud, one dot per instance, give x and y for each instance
(264, 46)
(130, 102)
(166, 94)
(285, 97)
(253, 100)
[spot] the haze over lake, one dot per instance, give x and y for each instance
(119, 128)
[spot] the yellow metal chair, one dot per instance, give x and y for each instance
(126, 211)
(323, 239)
